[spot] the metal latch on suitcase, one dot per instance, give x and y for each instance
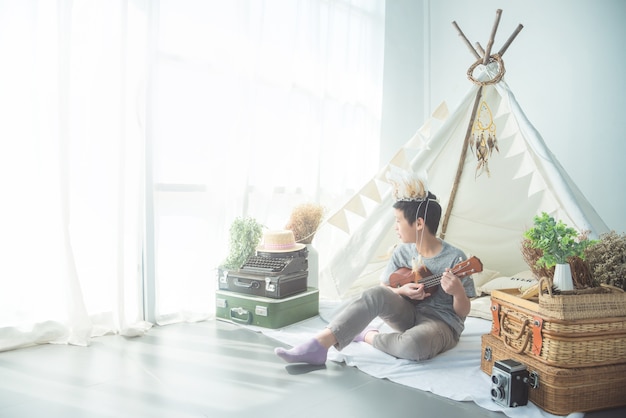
(260, 310)
(269, 286)
(533, 379)
(487, 355)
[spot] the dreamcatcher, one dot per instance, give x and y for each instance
(483, 138)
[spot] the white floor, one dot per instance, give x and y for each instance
(207, 369)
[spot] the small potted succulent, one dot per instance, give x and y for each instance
(557, 244)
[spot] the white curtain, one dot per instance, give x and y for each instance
(223, 108)
(259, 106)
(71, 168)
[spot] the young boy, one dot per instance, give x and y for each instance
(425, 324)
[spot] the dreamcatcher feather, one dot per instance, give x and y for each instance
(483, 139)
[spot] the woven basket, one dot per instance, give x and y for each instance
(559, 343)
(581, 305)
(562, 391)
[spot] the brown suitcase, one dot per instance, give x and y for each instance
(277, 287)
(557, 342)
(558, 390)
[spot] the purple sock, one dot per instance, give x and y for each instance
(311, 352)
(361, 337)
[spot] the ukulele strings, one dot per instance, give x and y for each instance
(436, 278)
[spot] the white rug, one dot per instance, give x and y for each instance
(454, 374)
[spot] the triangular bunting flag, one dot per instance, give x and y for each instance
(340, 221)
(355, 205)
(526, 167)
(425, 129)
(441, 112)
(370, 190)
(416, 142)
(537, 184)
(399, 160)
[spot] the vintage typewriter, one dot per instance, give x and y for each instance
(274, 275)
(273, 266)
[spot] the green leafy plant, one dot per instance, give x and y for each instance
(556, 240)
(245, 236)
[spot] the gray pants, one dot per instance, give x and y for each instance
(417, 337)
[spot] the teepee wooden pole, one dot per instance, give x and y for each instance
(466, 41)
(492, 37)
(511, 38)
(459, 169)
(480, 49)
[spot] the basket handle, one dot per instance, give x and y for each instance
(612, 288)
(547, 283)
(508, 335)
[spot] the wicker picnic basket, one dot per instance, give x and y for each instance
(606, 301)
(557, 342)
(562, 391)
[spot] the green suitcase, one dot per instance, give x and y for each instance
(266, 312)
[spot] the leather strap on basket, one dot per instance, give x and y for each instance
(495, 323)
(537, 335)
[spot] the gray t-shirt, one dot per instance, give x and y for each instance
(439, 304)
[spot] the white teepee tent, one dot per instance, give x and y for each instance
(489, 191)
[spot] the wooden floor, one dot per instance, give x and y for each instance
(206, 369)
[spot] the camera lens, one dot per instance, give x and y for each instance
(495, 379)
(497, 393)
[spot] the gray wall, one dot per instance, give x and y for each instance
(404, 74)
(565, 69)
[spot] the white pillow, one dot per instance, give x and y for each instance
(522, 280)
(483, 277)
(525, 274)
(481, 308)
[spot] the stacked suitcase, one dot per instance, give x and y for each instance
(269, 290)
(573, 365)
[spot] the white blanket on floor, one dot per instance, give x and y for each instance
(454, 374)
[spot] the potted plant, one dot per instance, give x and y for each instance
(557, 243)
(245, 236)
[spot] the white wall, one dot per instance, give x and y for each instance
(565, 69)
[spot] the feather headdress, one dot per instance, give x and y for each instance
(407, 186)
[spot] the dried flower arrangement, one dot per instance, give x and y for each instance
(304, 221)
(607, 259)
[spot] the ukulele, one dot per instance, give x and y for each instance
(405, 275)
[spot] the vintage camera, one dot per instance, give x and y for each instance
(509, 383)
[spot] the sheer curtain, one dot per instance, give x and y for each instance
(134, 132)
(259, 106)
(71, 168)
